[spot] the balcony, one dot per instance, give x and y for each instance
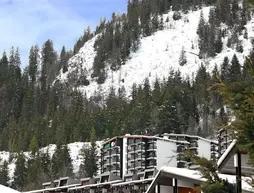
(107, 163)
(131, 149)
(151, 141)
(181, 165)
(193, 145)
(181, 148)
(140, 148)
(151, 147)
(182, 158)
(151, 154)
(214, 149)
(115, 161)
(181, 138)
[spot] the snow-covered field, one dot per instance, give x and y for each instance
(157, 55)
(74, 150)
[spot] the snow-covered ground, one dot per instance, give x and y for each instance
(4, 189)
(74, 150)
(157, 55)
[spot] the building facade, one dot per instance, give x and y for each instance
(135, 157)
(225, 137)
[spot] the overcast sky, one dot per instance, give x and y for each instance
(29, 22)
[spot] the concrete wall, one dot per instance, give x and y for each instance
(204, 148)
(124, 156)
(166, 153)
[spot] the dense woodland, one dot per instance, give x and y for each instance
(36, 111)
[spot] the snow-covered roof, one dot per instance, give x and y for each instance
(46, 183)
(52, 189)
(226, 153)
(4, 189)
(191, 136)
(185, 174)
(146, 137)
(171, 140)
(96, 185)
(133, 182)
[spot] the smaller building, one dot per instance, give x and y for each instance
(182, 180)
(58, 186)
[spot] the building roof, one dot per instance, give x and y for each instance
(193, 176)
(46, 184)
(146, 137)
(133, 182)
(193, 136)
(52, 189)
(95, 185)
(230, 149)
(226, 162)
(84, 179)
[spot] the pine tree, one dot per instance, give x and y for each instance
(155, 23)
(33, 146)
(182, 59)
(4, 68)
(225, 69)
(235, 69)
(218, 43)
(168, 118)
(4, 174)
(89, 164)
(20, 173)
(64, 60)
(61, 162)
(33, 62)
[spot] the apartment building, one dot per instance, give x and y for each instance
(225, 137)
(197, 145)
(139, 157)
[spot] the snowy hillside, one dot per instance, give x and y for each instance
(74, 150)
(157, 55)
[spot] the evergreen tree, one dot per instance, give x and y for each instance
(64, 60)
(89, 165)
(182, 59)
(225, 69)
(218, 43)
(20, 173)
(4, 174)
(235, 69)
(33, 62)
(33, 146)
(61, 162)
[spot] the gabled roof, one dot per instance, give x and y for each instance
(226, 162)
(231, 150)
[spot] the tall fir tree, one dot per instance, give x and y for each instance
(4, 174)
(89, 166)
(20, 173)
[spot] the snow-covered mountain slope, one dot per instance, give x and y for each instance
(74, 150)
(157, 55)
(4, 189)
